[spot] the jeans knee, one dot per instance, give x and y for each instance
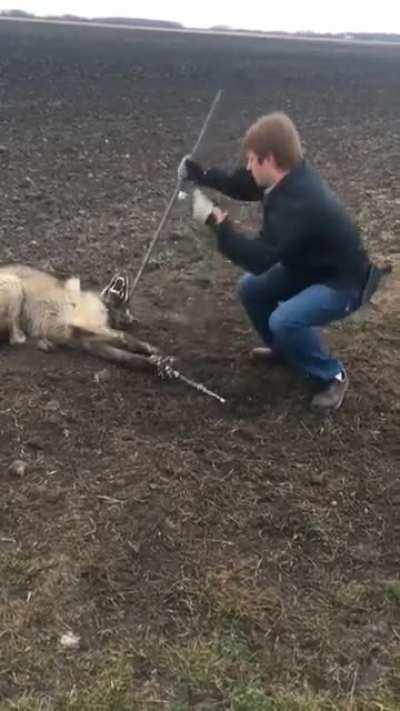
(279, 324)
(245, 288)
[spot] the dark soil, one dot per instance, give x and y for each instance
(153, 521)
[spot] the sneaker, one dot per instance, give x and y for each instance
(263, 354)
(332, 396)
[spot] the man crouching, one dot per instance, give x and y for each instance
(306, 268)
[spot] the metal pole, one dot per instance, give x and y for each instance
(206, 122)
(174, 195)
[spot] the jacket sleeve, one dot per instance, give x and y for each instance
(258, 255)
(240, 185)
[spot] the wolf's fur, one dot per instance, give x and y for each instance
(53, 310)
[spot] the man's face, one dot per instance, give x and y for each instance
(263, 172)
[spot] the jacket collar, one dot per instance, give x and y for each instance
(287, 180)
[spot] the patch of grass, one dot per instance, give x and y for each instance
(392, 591)
(15, 568)
(112, 690)
(237, 595)
(381, 701)
(206, 662)
(159, 260)
(224, 668)
(351, 594)
(313, 531)
(27, 703)
(253, 698)
(210, 674)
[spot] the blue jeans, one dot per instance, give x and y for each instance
(287, 315)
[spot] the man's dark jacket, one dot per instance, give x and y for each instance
(305, 228)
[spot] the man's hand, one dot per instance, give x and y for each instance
(204, 210)
(188, 169)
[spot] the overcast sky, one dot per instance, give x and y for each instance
(292, 15)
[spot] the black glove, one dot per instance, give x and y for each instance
(194, 171)
(190, 170)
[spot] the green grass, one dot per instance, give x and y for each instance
(392, 591)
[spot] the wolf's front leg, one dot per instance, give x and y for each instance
(134, 345)
(120, 339)
(112, 354)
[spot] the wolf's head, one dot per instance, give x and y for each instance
(115, 297)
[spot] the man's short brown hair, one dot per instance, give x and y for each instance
(275, 133)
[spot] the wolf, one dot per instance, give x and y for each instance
(53, 310)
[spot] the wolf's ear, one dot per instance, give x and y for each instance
(117, 291)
